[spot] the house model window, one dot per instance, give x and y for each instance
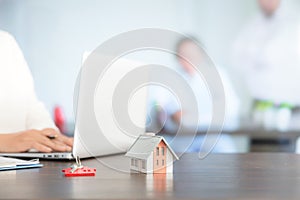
(144, 164)
(132, 161)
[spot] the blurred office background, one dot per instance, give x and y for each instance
(54, 34)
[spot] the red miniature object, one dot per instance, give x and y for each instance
(59, 118)
(84, 171)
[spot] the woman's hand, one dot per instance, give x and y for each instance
(46, 140)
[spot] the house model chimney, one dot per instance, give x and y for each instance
(149, 134)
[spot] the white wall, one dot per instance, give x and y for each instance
(54, 33)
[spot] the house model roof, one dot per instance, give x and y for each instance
(144, 146)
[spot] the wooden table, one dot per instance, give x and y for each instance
(218, 176)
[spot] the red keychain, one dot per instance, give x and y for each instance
(78, 169)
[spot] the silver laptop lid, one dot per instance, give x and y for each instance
(105, 123)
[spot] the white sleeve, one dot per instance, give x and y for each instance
(169, 102)
(37, 117)
(232, 102)
(168, 106)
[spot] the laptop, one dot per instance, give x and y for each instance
(97, 133)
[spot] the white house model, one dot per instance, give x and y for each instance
(151, 154)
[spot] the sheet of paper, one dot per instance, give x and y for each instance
(13, 163)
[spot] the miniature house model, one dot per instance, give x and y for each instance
(151, 154)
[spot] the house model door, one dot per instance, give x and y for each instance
(159, 158)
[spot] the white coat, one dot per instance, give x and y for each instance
(267, 54)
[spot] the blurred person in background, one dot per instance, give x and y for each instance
(266, 53)
(25, 123)
(189, 52)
